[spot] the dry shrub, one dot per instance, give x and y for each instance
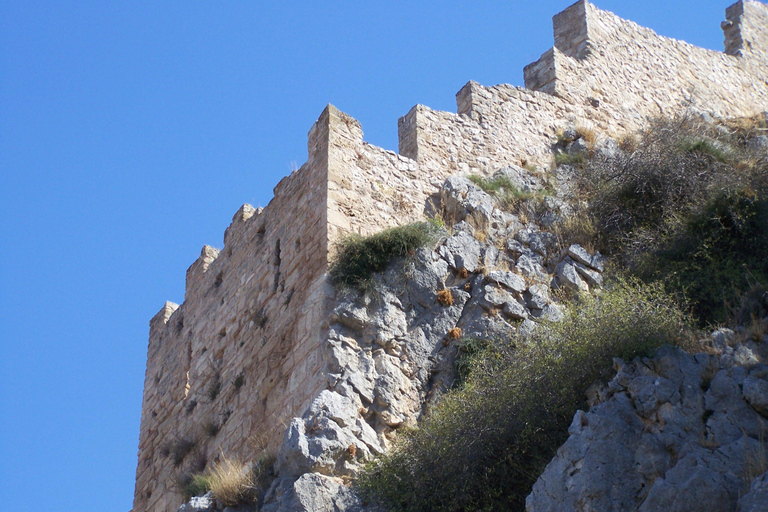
(685, 204)
(445, 297)
(232, 482)
(588, 135)
(577, 229)
(463, 273)
(454, 333)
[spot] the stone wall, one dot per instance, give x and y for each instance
(248, 348)
(243, 353)
(604, 73)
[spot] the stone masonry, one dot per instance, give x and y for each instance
(246, 351)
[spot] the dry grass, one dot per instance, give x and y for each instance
(587, 134)
(445, 297)
(231, 482)
(577, 229)
(757, 461)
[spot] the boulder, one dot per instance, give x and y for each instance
(569, 277)
(581, 255)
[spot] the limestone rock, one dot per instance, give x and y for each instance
(660, 436)
(312, 492)
(203, 503)
(569, 277)
(756, 500)
(581, 255)
(509, 279)
(465, 251)
(755, 389)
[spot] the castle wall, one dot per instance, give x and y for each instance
(244, 353)
(628, 73)
(247, 349)
(604, 73)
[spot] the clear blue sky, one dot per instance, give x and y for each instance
(131, 132)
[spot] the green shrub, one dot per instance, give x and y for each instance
(483, 446)
(196, 485)
(359, 257)
(705, 147)
(503, 189)
(568, 159)
(684, 205)
(716, 255)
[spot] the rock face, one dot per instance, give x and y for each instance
(392, 350)
(675, 432)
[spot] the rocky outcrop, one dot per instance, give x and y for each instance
(674, 432)
(392, 351)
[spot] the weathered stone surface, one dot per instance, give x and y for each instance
(515, 310)
(660, 436)
(569, 277)
(756, 499)
(509, 279)
(755, 389)
(199, 504)
(465, 250)
(581, 255)
(312, 493)
(540, 242)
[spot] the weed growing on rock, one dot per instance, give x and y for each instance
(193, 485)
(568, 159)
(231, 482)
(445, 297)
(358, 258)
(483, 446)
(686, 204)
(503, 189)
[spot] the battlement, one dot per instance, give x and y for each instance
(247, 350)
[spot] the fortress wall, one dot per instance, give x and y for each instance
(604, 73)
(632, 73)
(495, 127)
(370, 188)
(253, 315)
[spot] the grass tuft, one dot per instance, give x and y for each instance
(231, 482)
(358, 258)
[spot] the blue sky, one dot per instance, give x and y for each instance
(131, 132)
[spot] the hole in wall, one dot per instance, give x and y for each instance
(277, 264)
(260, 318)
(219, 279)
(223, 332)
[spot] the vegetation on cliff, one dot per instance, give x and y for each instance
(682, 208)
(358, 257)
(685, 204)
(485, 444)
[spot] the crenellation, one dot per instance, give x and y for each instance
(572, 30)
(260, 307)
